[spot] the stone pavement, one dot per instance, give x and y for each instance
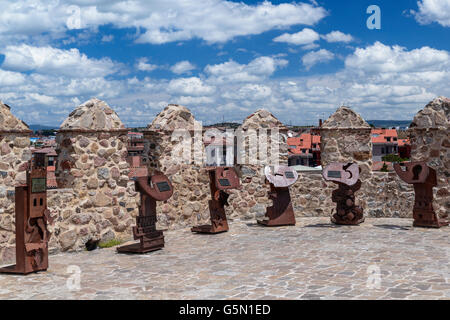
(313, 260)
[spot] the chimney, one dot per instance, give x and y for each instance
(320, 122)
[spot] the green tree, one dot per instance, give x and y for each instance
(384, 168)
(393, 158)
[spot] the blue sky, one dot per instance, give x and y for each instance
(223, 59)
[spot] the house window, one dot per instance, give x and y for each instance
(51, 161)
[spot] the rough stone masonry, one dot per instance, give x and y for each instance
(14, 154)
(100, 201)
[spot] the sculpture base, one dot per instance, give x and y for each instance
(336, 219)
(208, 229)
(14, 270)
(431, 224)
(275, 223)
(147, 246)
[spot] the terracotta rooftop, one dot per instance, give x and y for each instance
(382, 135)
(305, 141)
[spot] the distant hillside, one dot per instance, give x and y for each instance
(389, 123)
(230, 125)
(37, 127)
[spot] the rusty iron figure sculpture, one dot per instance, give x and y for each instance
(152, 188)
(424, 179)
(220, 180)
(346, 176)
(281, 213)
(32, 217)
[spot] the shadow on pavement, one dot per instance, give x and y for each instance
(391, 227)
(324, 225)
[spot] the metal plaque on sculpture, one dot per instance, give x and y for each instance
(334, 174)
(289, 175)
(224, 182)
(38, 185)
(163, 186)
(280, 176)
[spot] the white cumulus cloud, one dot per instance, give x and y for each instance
(143, 65)
(314, 57)
(256, 70)
(337, 36)
(49, 60)
(383, 58)
(433, 11)
(304, 37)
(190, 86)
(182, 67)
(159, 21)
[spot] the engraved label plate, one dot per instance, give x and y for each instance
(163, 186)
(289, 175)
(334, 174)
(38, 185)
(224, 182)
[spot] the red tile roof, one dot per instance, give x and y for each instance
(402, 142)
(305, 141)
(48, 151)
(381, 135)
(51, 179)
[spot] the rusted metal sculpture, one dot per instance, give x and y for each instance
(281, 213)
(346, 176)
(424, 179)
(220, 180)
(152, 188)
(32, 217)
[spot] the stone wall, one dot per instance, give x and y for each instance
(430, 140)
(14, 154)
(92, 152)
(346, 137)
(171, 148)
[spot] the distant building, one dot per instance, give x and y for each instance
(43, 141)
(135, 144)
(220, 148)
(304, 150)
(384, 141)
(50, 162)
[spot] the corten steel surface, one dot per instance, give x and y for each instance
(32, 217)
(220, 179)
(155, 188)
(281, 213)
(346, 176)
(424, 179)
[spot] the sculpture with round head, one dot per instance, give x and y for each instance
(281, 176)
(347, 173)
